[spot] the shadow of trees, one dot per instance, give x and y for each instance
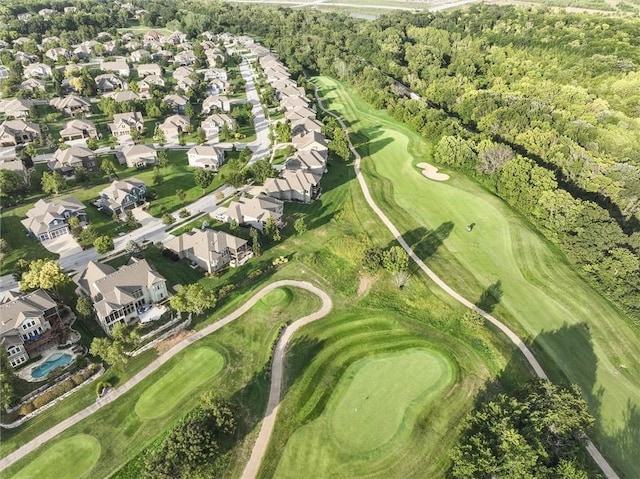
(426, 242)
(490, 297)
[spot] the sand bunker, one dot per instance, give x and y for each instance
(431, 172)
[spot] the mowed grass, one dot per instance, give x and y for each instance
(365, 398)
(196, 367)
(66, 459)
(132, 423)
(372, 411)
(578, 335)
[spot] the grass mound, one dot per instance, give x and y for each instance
(195, 368)
(69, 458)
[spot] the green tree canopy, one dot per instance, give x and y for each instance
(193, 298)
(43, 273)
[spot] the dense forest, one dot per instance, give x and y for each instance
(541, 107)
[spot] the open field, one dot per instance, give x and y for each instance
(577, 335)
(69, 458)
(130, 424)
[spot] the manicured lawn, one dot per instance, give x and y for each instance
(579, 336)
(369, 416)
(22, 247)
(196, 367)
(66, 459)
(245, 346)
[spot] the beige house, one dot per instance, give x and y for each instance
(122, 295)
(108, 82)
(67, 160)
(49, 219)
(308, 160)
(253, 212)
(71, 105)
(37, 70)
(149, 69)
(216, 102)
(176, 102)
(15, 107)
(33, 85)
(305, 125)
(313, 140)
(124, 123)
(173, 126)
(122, 195)
(207, 157)
(14, 164)
(78, 130)
(294, 185)
(18, 132)
(137, 156)
(123, 96)
(29, 323)
(211, 250)
(121, 68)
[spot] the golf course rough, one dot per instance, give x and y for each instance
(577, 335)
(69, 458)
(194, 368)
(371, 413)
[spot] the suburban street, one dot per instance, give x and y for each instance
(260, 146)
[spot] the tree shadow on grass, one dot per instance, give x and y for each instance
(426, 242)
(490, 297)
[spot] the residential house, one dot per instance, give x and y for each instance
(216, 102)
(313, 140)
(57, 54)
(137, 156)
(176, 102)
(292, 102)
(119, 67)
(175, 38)
(145, 85)
(149, 69)
(70, 9)
(14, 164)
(182, 72)
(66, 161)
(18, 132)
(298, 113)
(305, 125)
(211, 250)
(29, 323)
(24, 17)
(289, 91)
(173, 126)
(294, 185)
(123, 96)
(216, 87)
(37, 70)
(207, 157)
(186, 84)
(108, 82)
(71, 105)
(49, 219)
(308, 160)
(125, 123)
(214, 123)
(15, 107)
(215, 74)
(45, 12)
(33, 85)
(184, 58)
(4, 72)
(253, 212)
(121, 296)
(24, 57)
(160, 55)
(122, 195)
(139, 55)
(78, 129)
(151, 37)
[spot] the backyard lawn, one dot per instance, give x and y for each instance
(578, 335)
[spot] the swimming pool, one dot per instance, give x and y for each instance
(54, 361)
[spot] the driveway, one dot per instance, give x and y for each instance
(63, 245)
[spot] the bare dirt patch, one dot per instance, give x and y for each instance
(168, 343)
(365, 283)
(431, 172)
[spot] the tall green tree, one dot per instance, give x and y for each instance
(53, 183)
(7, 381)
(44, 273)
(193, 298)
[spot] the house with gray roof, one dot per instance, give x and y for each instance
(294, 185)
(122, 195)
(122, 295)
(28, 323)
(124, 123)
(137, 156)
(49, 219)
(71, 105)
(18, 132)
(211, 250)
(253, 212)
(78, 129)
(15, 107)
(65, 161)
(207, 157)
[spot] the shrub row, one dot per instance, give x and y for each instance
(58, 390)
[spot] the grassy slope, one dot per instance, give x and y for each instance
(370, 415)
(245, 346)
(578, 335)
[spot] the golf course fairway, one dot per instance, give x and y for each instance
(69, 458)
(196, 367)
(370, 414)
(577, 334)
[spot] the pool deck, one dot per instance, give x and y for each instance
(25, 373)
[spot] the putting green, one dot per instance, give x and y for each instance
(370, 414)
(69, 458)
(194, 368)
(576, 333)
